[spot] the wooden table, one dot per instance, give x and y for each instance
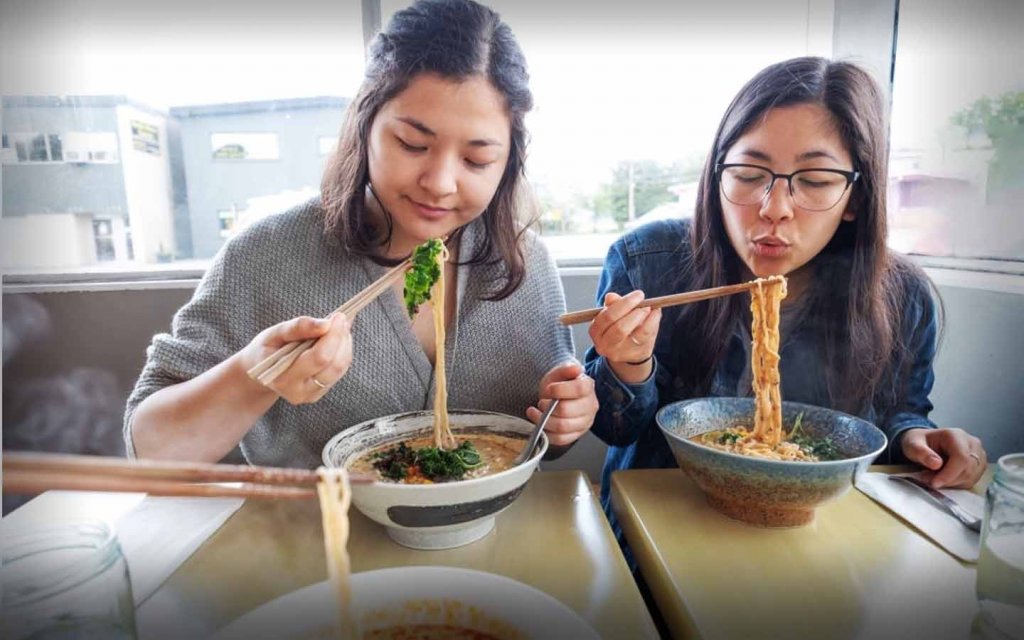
(554, 537)
(857, 571)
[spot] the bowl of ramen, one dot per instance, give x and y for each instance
(429, 497)
(820, 453)
(415, 602)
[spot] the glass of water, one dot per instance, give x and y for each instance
(1001, 565)
(65, 581)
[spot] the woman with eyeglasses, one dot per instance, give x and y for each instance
(795, 184)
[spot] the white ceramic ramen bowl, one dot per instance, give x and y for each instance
(484, 602)
(441, 515)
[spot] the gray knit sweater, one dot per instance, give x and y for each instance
(284, 266)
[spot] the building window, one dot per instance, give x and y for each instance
(956, 168)
(227, 219)
(98, 147)
(103, 236)
(32, 147)
(244, 146)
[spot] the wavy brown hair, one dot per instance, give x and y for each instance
(859, 287)
(455, 39)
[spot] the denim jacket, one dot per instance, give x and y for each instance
(650, 258)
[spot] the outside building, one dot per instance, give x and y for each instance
(92, 180)
(86, 179)
(242, 161)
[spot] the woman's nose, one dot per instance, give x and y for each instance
(778, 204)
(439, 177)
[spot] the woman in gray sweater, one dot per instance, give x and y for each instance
(433, 145)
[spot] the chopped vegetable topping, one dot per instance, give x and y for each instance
(422, 275)
(436, 465)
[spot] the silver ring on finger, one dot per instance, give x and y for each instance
(976, 457)
(318, 383)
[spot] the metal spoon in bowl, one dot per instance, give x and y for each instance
(531, 444)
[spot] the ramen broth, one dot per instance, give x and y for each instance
(427, 632)
(497, 453)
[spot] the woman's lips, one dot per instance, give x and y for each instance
(769, 248)
(427, 211)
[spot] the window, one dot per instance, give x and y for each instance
(228, 219)
(91, 147)
(627, 97)
(244, 146)
(956, 183)
(32, 147)
(103, 236)
(97, 94)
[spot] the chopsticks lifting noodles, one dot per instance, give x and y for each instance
(267, 370)
(29, 473)
(587, 315)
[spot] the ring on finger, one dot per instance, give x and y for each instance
(318, 383)
(976, 457)
(634, 341)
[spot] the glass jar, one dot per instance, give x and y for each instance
(65, 581)
(1001, 565)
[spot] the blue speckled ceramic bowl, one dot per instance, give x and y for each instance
(768, 493)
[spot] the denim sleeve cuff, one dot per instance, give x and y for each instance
(618, 395)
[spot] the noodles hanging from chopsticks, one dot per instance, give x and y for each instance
(335, 497)
(765, 302)
(443, 438)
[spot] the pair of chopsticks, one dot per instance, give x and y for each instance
(587, 315)
(268, 369)
(31, 473)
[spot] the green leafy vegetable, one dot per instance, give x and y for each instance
(422, 275)
(728, 437)
(821, 448)
(438, 465)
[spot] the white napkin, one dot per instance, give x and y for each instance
(914, 506)
(160, 534)
(157, 534)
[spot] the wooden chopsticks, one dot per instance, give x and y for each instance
(32, 472)
(268, 369)
(587, 315)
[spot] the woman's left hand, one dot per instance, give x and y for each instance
(953, 457)
(577, 407)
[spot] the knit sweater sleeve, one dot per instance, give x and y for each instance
(217, 322)
(544, 302)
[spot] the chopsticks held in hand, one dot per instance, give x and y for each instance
(267, 370)
(587, 315)
(30, 473)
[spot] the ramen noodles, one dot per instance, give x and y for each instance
(443, 438)
(335, 497)
(766, 439)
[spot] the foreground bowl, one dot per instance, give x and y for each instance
(483, 602)
(767, 493)
(442, 515)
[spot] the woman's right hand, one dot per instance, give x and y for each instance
(318, 369)
(624, 334)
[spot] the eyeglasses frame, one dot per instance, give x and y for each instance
(851, 177)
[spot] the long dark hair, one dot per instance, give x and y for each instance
(455, 39)
(859, 286)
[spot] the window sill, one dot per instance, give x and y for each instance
(1006, 276)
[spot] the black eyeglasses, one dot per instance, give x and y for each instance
(811, 189)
